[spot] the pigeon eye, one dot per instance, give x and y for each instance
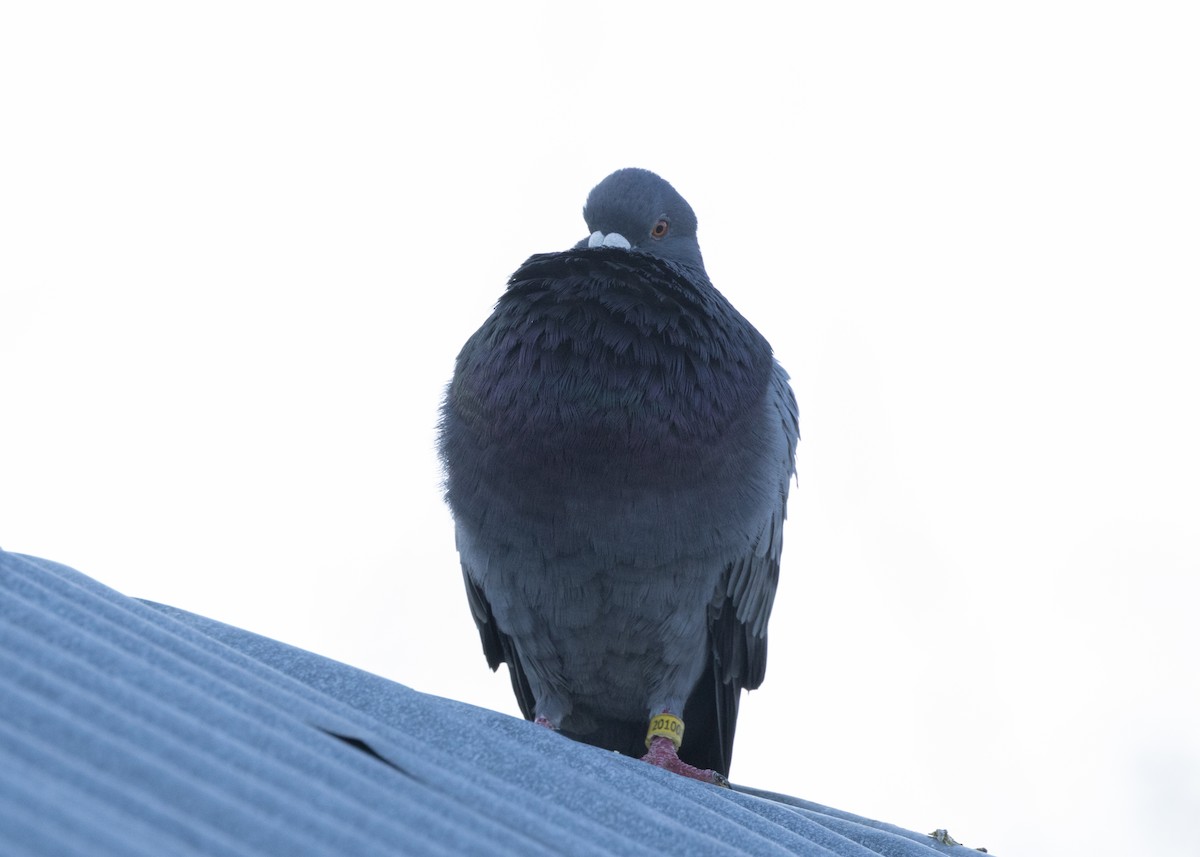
(660, 228)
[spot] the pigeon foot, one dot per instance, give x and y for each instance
(540, 720)
(662, 754)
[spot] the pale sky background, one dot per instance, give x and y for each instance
(241, 244)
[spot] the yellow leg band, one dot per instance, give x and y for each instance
(665, 726)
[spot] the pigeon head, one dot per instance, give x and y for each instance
(637, 210)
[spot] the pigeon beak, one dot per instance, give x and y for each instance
(612, 239)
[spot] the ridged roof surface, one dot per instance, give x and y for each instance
(128, 728)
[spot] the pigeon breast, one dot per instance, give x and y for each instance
(623, 393)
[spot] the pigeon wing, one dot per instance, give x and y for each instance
(497, 646)
(739, 612)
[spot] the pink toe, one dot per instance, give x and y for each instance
(662, 754)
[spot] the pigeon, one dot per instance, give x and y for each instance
(618, 443)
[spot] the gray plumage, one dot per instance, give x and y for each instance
(618, 444)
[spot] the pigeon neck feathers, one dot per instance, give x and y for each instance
(618, 349)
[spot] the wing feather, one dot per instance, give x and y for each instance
(498, 647)
(739, 612)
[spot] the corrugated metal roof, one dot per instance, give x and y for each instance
(128, 728)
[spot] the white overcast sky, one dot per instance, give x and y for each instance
(241, 244)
